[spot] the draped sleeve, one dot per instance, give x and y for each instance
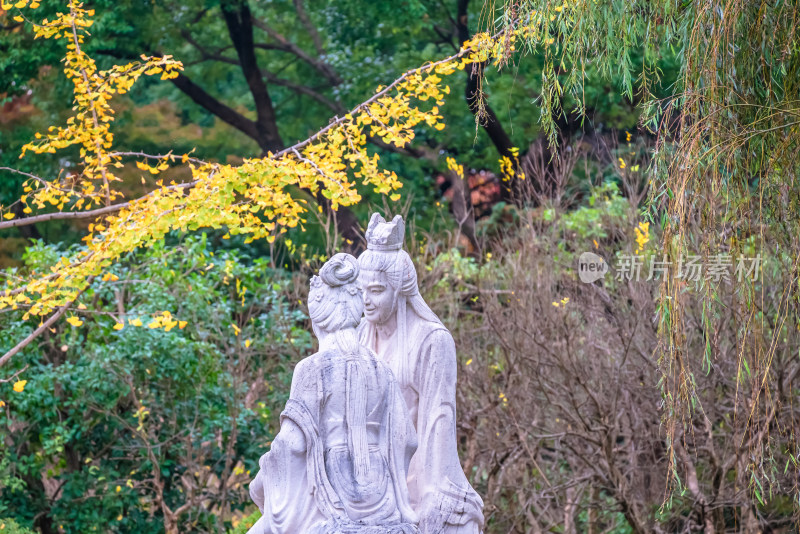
(288, 506)
(401, 443)
(293, 488)
(444, 495)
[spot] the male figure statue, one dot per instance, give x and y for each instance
(400, 327)
(340, 461)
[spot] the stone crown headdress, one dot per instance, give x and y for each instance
(385, 236)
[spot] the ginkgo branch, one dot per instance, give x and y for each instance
(214, 196)
(171, 157)
(44, 326)
(60, 215)
(49, 277)
(316, 167)
(39, 179)
(95, 119)
(337, 121)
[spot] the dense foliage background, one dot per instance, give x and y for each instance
(572, 416)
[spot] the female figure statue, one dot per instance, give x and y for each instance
(340, 461)
(400, 327)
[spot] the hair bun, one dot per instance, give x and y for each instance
(340, 270)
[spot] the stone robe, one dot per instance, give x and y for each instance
(440, 493)
(315, 485)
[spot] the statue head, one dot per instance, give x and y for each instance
(335, 303)
(389, 282)
(386, 269)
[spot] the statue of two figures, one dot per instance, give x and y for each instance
(367, 443)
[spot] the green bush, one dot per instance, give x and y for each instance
(9, 526)
(145, 429)
(246, 523)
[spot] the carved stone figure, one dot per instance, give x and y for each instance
(340, 461)
(400, 327)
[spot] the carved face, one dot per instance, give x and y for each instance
(380, 298)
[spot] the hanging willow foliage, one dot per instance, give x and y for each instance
(724, 181)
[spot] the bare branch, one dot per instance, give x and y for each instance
(288, 46)
(310, 28)
(305, 90)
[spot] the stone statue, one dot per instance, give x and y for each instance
(340, 461)
(400, 327)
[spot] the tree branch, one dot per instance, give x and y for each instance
(269, 76)
(217, 108)
(240, 28)
(417, 152)
(44, 326)
(310, 28)
(61, 215)
(374, 98)
(484, 114)
(205, 53)
(335, 106)
(288, 46)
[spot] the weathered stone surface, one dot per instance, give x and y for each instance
(340, 461)
(400, 327)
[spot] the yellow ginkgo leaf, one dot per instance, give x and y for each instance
(8, 215)
(136, 322)
(182, 324)
(19, 385)
(248, 343)
(74, 321)
(119, 326)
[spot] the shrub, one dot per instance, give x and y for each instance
(157, 427)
